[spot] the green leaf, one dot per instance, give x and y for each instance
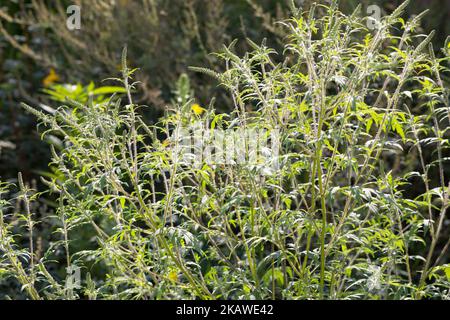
(108, 90)
(447, 272)
(122, 203)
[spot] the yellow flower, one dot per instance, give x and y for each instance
(197, 109)
(173, 276)
(51, 78)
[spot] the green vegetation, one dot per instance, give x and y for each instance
(356, 209)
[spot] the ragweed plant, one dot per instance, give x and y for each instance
(361, 115)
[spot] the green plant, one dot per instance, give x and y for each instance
(335, 219)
